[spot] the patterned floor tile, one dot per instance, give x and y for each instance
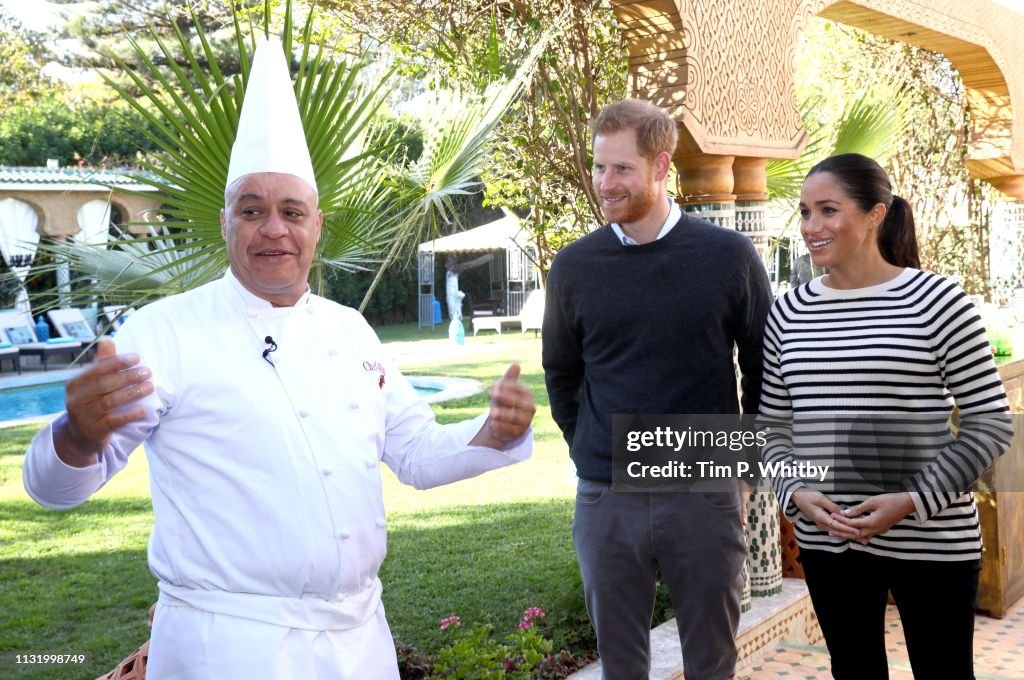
(998, 644)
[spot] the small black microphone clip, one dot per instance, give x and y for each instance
(272, 348)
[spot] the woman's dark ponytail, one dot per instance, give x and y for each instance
(897, 240)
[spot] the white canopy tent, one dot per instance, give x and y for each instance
(94, 220)
(18, 241)
(512, 275)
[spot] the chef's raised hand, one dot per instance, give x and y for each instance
(97, 402)
(512, 409)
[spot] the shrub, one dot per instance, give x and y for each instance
(413, 664)
(474, 654)
(394, 301)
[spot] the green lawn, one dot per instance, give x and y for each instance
(486, 548)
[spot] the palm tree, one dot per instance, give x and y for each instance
(372, 202)
(872, 123)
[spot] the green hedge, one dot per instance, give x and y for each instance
(393, 302)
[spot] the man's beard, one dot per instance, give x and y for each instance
(634, 208)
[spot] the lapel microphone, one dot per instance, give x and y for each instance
(272, 347)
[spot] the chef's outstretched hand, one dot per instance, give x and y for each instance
(97, 404)
(512, 409)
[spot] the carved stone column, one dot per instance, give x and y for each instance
(764, 557)
(746, 599)
(730, 191)
(1006, 253)
(764, 542)
(1006, 242)
(749, 186)
(705, 183)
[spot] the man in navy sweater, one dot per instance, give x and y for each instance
(642, 317)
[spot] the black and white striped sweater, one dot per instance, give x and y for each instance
(864, 381)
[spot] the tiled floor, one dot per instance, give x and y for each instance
(998, 653)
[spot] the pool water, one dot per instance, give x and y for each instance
(44, 400)
(426, 391)
(28, 402)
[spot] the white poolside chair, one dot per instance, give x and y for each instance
(116, 314)
(21, 332)
(530, 317)
(8, 352)
(72, 323)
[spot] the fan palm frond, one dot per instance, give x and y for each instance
(872, 124)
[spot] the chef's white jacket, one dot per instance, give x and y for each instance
(265, 476)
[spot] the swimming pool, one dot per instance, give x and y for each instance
(32, 401)
(437, 388)
(47, 399)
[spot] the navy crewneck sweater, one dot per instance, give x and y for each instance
(650, 329)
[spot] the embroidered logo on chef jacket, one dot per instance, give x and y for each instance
(378, 368)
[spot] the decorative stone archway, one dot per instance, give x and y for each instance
(63, 197)
(726, 73)
(58, 194)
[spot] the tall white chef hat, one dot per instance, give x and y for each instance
(270, 136)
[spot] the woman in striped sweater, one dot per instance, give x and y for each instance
(862, 369)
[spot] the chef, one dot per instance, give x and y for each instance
(265, 412)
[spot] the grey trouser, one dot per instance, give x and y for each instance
(696, 542)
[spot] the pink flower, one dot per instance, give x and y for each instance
(530, 616)
(450, 621)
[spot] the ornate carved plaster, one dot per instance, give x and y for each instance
(724, 68)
